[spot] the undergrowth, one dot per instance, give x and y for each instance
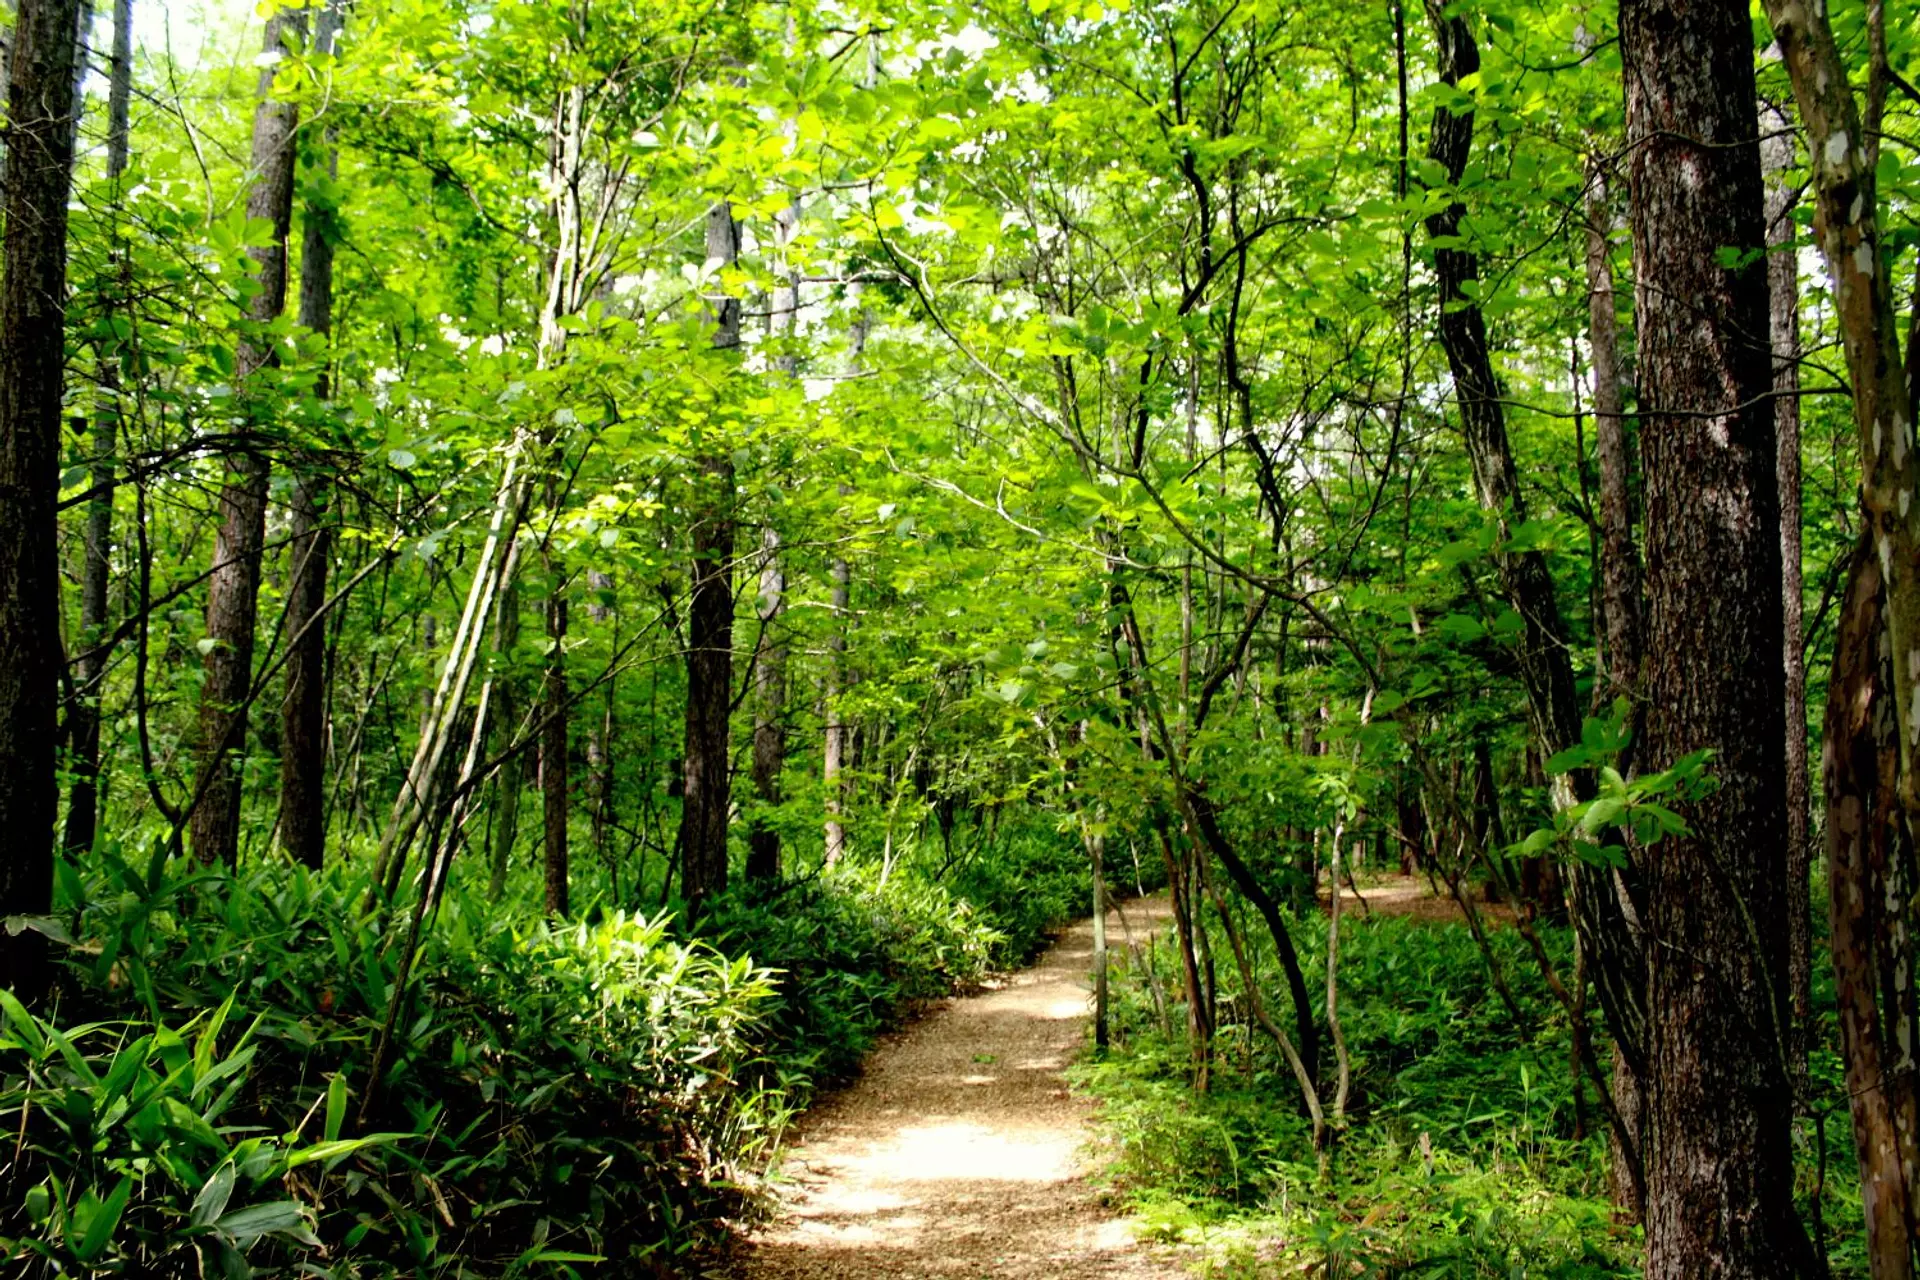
(1465, 1152)
(198, 1096)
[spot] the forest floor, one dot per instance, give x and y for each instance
(960, 1153)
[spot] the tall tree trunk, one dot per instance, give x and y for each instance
(1601, 901)
(769, 712)
(553, 748)
(89, 668)
(303, 714)
(834, 756)
(507, 782)
(1783, 291)
(709, 783)
(32, 348)
(599, 735)
(1872, 875)
(1869, 856)
(1715, 912)
(233, 587)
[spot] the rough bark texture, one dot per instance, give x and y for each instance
(32, 343)
(303, 713)
(1620, 557)
(1871, 871)
(1719, 1166)
(709, 783)
(769, 711)
(1546, 670)
(89, 666)
(233, 588)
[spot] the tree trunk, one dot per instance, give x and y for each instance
(599, 736)
(1600, 900)
(1870, 868)
(32, 347)
(1783, 291)
(89, 668)
(709, 783)
(233, 587)
(1719, 1164)
(769, 711)
(507, 782)
(553, 749)
(834, 756)
(303, 715)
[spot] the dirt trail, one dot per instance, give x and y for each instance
(957, 1154)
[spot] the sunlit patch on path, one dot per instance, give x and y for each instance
(958, 1153)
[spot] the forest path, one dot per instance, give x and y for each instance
(958, 1152)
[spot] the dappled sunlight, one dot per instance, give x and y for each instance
(960, 1150)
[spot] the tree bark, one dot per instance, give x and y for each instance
(1601, 901)
(1871, 872)
(1783, 292)
(233, 588)
(1719, 1164)
(507, 782)
(303, 714)
(769, 715)
(32, 348)
(89, 668)
(553, 749)
(709, 782)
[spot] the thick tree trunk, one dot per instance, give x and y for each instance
(303, 715)
(233, 588)
(32, 348)
(1601, 901)
(83, 760)
(1871, 874)
(769, 712)
(709, 783)
(1719, 1164)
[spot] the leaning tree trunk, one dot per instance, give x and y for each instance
(90, 665)
(1874, 948)
(1599, 898)
(233, 587)
(1872, 874)
(709, 783)
(303, 714)
(1715, 915)
(32, 347)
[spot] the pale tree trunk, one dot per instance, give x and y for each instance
(233, 588)
(303, 714)
(1600, 901)
(89, 667)
(709, 783)
(1620, 592)
(33, 294)
(1715, 903)
(1783, 291)
(1872, 719)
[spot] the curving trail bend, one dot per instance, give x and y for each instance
(959, 1151)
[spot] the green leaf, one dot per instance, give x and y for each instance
(105, 1219)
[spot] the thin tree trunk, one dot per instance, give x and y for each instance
(599, 736)
(1601, 902)
(233, 588)
(1783, 289)
(303, 714)
(553, 747)
(834, 754)
(1715, 913)
(33, 294)
(708, 794)
(507, 782)
(83, 805)
(1871, 876)
(769, 715)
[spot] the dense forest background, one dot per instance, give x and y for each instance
(563, 562)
